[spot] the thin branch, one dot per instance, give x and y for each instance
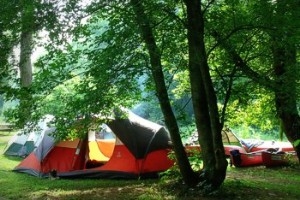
(175, 17)
(227, 95)
(234, 31)
(242, 64)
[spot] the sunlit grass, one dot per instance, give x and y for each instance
(6, 163)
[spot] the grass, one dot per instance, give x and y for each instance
(255, 183)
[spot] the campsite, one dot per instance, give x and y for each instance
(136, 99)
(241, 183)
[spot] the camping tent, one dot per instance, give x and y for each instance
(137, 148)
(23, 143)
(228, 138)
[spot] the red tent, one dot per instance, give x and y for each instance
(139, 149)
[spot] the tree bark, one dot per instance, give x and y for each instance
(285, 94)
(285, 70)
(26, 42)
(188, 175)
(204, 99)
(25, 65)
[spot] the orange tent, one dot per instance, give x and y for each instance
(137, 148)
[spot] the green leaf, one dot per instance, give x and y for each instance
(296, 143)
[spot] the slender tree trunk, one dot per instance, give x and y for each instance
(189, 176)
(25, 65)
(26, 42)
(204, 99)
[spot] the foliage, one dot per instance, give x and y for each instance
(20, 19)
(108, 39)
(173, 172)
(187, 131)
(256, 113)
(195, 159)
(105, 66)
(248, 30)
(296, 143)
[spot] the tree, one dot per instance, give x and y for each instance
(204, 99)
(7, 40)
(25, 65)
(105, 71)
(285, 67)
(26, 43)
(22, 21)
(269, 43)
(203, 95)
(190, 178)
(108, 65)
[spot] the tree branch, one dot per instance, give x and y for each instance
(242, 64)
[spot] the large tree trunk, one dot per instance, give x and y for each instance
(189, 176)
(285, 70)
(204, 99)
(285, 94)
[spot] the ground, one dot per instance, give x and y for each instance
(257, 183)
